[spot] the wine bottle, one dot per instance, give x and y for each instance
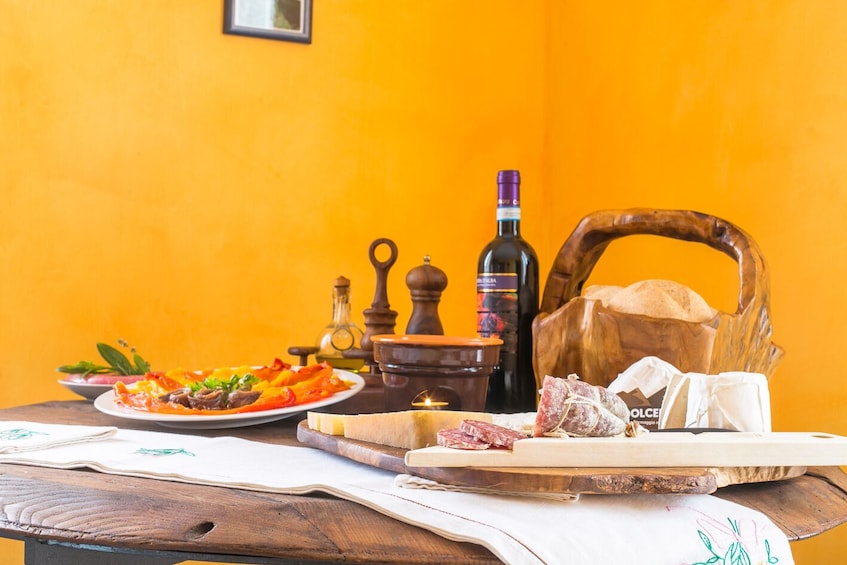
(507, 302)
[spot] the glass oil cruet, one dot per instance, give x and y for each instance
(341, 334)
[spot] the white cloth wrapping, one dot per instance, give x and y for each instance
(656, 529)
(734, 400)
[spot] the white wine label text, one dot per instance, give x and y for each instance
(497, 282)
(508, 214)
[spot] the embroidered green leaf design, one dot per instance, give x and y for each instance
(19, 433)
(771, 559)
(735, 554)
(164, 451)
(706, 541)
(734, 525)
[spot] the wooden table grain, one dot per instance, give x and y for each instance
(80, 516)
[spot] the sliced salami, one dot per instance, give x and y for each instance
(457, 439)
(497, 436)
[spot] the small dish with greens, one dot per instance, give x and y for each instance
(90, 379)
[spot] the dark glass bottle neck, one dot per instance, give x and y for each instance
(508, 208)
(506, 228)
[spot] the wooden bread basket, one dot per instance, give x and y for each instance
(575, 334)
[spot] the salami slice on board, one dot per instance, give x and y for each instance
(492, 433)
(457, 439)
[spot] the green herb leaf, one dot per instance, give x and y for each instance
(116, 359)
(117, 362)
(84, 368)
(141, 365)
(235, 382)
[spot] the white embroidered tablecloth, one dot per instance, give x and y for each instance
(655, 529)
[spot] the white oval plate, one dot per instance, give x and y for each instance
(86, 390)
(106, 403)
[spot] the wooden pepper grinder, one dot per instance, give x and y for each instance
(426, 283)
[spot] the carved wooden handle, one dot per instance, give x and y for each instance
(381, 268)
(379, 318)
(579, 254)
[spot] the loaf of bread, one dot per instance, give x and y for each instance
(656, 298)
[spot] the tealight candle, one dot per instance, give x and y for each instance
(430, 404)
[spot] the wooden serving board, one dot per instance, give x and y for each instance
(564, 480)
(664, 449)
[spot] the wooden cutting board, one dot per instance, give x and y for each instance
(662, 449)
(564, 480)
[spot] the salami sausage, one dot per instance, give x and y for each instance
(457, 439)
(577, 408)
(497, 436)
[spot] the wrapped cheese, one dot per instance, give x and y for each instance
(732, 400)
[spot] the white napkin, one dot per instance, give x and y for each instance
(656, 529)
(17, 437)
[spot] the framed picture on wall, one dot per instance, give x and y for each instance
(285, 20)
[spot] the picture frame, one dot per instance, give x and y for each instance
(283, 20)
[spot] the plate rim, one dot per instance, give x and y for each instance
(89, 391)
(66, 382)
(105, 403)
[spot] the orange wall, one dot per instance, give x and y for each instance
(196, 193)
(738, 109)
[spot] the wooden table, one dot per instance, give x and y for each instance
(80, 516)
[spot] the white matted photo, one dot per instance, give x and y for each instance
(286, 20)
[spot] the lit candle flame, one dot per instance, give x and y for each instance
(430, 404)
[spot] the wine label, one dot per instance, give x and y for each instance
(497, 308)
(497, 282)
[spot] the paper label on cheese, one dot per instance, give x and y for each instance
(642, 386)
